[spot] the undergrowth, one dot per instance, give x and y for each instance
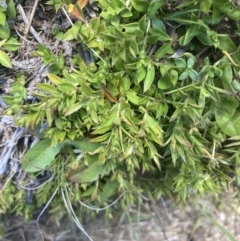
(154, 111)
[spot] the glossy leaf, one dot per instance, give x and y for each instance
(40, 156)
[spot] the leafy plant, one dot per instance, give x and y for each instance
(7, 9)
(139, 117)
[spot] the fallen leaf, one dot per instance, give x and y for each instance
(82, 3)
(108, 95)
(75, 12)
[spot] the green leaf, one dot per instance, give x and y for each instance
(40, 156)
(180, 63)
(183, 75)
(229, 104)
(95, 22)
(2, 18)
(74, 108)
(186, 17)
(55, 79)
(59, 36)
(152, 39)
(85, 144)
(227, 76)
(86, 89)
(228, 118)
(107, 124)
(140, 5)
(155, 6)
(164, 83)
(140, 74)
(215, 15)
(149, 78)
(73, 32)
(4, 31)
(236, 85)
(233, 14)
(48, 88)
(193, 74)
(162, 35)
(225, 43)
(101, 138)
(11, 11)
(125, 13)
(155, 127)
(165, 49)
(173, 76)
(143, 23)
(158, 24)
(12, 44)
(67, 87)
(204, 38)
(4, 60)
(85, 174)
(132, 97)
(109, 189)
(192, 31)
(190, 62)
(205, 5)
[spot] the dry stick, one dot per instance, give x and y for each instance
(22, 37)
(32, 30)
(31, 18)
(45, 207)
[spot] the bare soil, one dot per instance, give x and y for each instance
(204, 220)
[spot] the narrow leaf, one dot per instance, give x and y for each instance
(74, 108)
(55, 79)
(149, 78)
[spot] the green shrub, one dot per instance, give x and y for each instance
(7, 43)
(153, 114)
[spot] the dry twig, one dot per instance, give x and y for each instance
(32, 30)
(31, 18)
